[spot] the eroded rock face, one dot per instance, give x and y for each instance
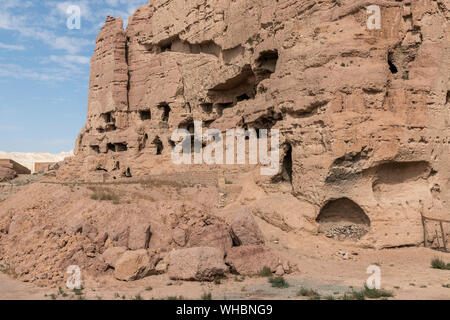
(199, 264)
(139, 236)
(245, 230)
(250, 260)
(215, 235)
(363, 114)
(135, 265)
(112, 255)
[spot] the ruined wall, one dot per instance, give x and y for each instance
(363, 113)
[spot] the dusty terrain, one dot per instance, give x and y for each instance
(330, 267)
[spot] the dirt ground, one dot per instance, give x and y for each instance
(406, 272)
(330, 267)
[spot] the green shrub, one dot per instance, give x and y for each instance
(303, 292)
(437, 263)
(279, 282)
(207, 296)
(377, 293)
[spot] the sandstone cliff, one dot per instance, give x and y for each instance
(363, 113)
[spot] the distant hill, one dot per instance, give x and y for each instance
(28, 159)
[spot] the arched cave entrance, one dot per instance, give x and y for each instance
(343, 219)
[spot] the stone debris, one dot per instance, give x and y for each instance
(342, 232)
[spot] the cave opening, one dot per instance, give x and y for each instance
(121, 147)
(145, 115)
(266, 64)
(108, 117)
(158, 145)
(286, 170)
(391, 64)
(96, 149)
(111, 147)
(165, 111)
(343, 219)
(127, 173)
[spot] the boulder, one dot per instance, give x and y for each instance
(244, 229)
(139, 237)
(135, 265)
(215, 235)
(196, 264)
(112, 255)
(250, 260)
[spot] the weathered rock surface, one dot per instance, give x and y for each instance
(250, 260)
(139, 237)
(199, 264)
(245, 230)
(112, 255)
(215, 235)
(134, 265)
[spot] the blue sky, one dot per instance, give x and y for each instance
(44, 70)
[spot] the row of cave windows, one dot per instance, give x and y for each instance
(286, 164)
(143, 114)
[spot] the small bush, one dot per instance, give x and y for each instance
(367, 293)
(207, 296)
(265, 272)
(446, 285)
(376, 293)
(279, 282)
(78, 292)
(149, 289)
(354, 295)
(138, 297)
(104, 194)
(303, 292)
(437, 263)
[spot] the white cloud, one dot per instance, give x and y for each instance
(11, 47)
(18, 72)
(12, 22)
